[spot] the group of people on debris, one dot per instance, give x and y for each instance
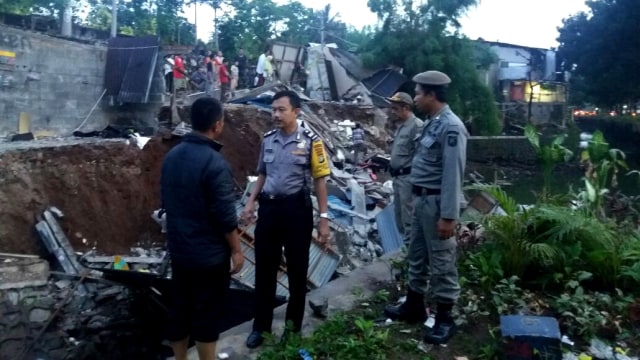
(213, 72)
(197, 188)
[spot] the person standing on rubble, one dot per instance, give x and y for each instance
(202, 232)
(289, 157)
(437, 173)
(402, 149)
(357, 136)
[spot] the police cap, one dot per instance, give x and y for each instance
(401, 98)
(432, 77)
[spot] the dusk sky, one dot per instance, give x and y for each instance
(524, 22)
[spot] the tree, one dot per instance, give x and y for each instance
(419, 37)
(602, 51)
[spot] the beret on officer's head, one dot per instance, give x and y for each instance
(401, 98)
(433, 78)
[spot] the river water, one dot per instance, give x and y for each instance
(522, 183)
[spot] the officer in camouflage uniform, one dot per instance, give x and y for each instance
(291, 158)
(437, 176)
(402, 150)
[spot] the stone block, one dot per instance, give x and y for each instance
(12, 297)
(23, 272)
(11, 319)
(39, 315)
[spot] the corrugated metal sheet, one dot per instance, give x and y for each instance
(351, 62)
(385, 82)
(322, 263)
(247, 276)
(131, 63)
(388, 231)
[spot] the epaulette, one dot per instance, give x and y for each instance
(270, 132)
(310, 134)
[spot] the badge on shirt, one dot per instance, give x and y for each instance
(302, 144)
(452, 138)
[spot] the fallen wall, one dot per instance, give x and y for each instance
(42, 317)
(54, 82)
(491, 149)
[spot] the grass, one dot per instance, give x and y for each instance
(362, 334)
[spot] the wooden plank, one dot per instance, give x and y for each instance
(52, 245)
(24, 123)
(62, 240)
(26, 256)
(127, 259)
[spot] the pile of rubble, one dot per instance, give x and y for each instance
(53, 315)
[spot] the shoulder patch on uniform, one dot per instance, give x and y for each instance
(308, 133)
(452, 138)
(270, 132)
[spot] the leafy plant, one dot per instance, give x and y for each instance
(550, 155)
(585, 314)
(602, 166)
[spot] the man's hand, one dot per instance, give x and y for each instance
(323, 232)
(249, 212)
(446, 228)
(237, 260)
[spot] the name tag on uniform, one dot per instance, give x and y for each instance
(299, 152)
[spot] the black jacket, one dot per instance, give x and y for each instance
(198, 196)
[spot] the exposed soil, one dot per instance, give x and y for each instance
(107, 189)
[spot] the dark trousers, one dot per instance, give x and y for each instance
(197, 302)
(168, 81)
(284, 222)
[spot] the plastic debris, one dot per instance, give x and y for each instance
(304, 354)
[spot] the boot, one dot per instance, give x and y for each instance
(444, 328)
(411, 311)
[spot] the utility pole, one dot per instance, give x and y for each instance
(215, 28)
(216, 6)
(322, 30)
(114, 18)
(195, 20)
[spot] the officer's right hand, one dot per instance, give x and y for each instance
(248, 214)
(237, 260)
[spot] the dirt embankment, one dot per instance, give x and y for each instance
(106, 190)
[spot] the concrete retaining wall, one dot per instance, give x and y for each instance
(501, 148)
(54, 81)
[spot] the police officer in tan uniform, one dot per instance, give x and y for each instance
(290, 158)
(437, 174)
(402, 150)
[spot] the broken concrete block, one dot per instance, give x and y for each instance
(320, 307)
(39, 315)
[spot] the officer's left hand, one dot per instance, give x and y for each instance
(446, 228)
(323, 232)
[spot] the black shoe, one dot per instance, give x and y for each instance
(255, 339)
(444, 328)
(412, 311)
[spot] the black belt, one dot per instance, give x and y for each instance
(399, 172)
(272, 197)
(423, 191)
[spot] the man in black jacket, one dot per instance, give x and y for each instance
(197, 194)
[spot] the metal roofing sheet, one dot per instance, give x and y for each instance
(388, 231)
(131, 63)
(385, 82)
(322, 263)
